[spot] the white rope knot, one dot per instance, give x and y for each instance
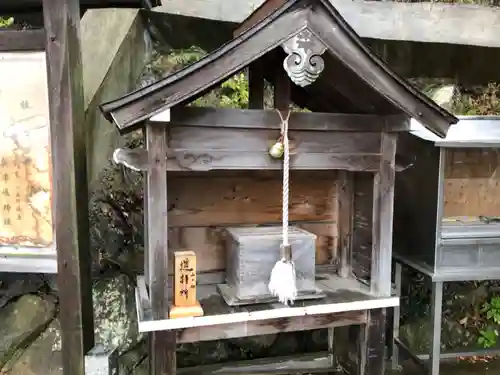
(282, 283)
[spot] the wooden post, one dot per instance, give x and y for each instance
(64, 69)
(383, 209)
(162, 344)
(345, 201)
(373, 334)
(372, 338)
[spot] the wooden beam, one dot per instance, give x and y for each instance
(185, 160)
(64, 69)
(269, 119)
(419, 22)
(271, 326)
(310, 363)
(22, 40)
(204, 149)
(162, 344)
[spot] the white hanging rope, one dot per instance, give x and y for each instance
(286, 175)
(282, 282)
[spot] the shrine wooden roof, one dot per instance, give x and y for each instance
(353, 80)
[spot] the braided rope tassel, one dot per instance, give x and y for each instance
(282, 283)
(286, 176)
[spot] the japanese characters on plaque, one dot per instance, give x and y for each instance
(25, 176)
(185, 278)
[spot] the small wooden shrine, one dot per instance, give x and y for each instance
(211, 184)
(447, 213)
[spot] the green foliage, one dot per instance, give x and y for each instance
(488, 336)
(233, 93)
(163, 65)
(6, 22)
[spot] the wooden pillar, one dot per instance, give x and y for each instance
(372, 338)
(64, 69)
(345, 208)
(373, 334)
(383, 209)
(162, 344)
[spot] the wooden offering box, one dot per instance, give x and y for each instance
(208, 169)
(252, 254)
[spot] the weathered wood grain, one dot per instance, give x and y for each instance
(64, 72)
(188, 160)
(162, 344)
(395, 94)
(291, 324)
(383, 209)
(22, 40)
(224, 199)
(201, 206)
(269, 119)
(260, 140)
(195, 81)
(362, 225)
(472, 182)
(156, 223)
(209, 244)
(294, 364)
(327, 250)
(341, 295)
(197, 148)
(251, 254)
(345, 209)
(373, 343)
(362, 347)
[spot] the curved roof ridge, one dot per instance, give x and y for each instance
(282, 22)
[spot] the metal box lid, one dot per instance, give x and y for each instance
(470, 131)
(470, 228)
(244, 232)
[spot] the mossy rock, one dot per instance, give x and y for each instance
(21, 322)
(115, 314)
(43, 356)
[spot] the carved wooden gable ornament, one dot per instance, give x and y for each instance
(325, 59)
(304, 62)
